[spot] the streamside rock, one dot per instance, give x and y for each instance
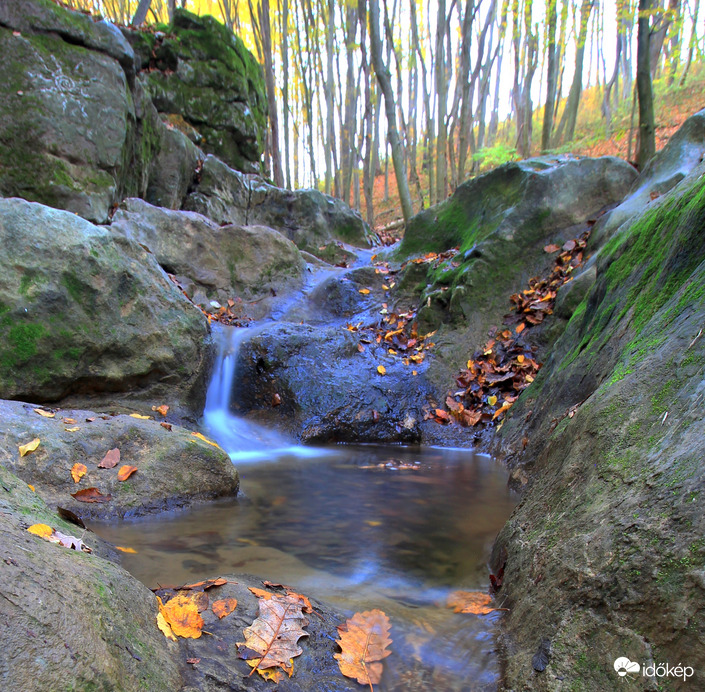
(174, 467)
(211, 262)
(84, 311)
(604, 556)
(72, 620)
(199, 70)
(312, 220)
(328, 390)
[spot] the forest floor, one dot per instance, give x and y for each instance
(673, 104)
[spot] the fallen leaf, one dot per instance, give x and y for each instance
(160, 409)
(569, 245)
(166, 425)
(88, 420)
(140, 417)
(70, 516)
(45, 414)
(520, 328)
(492, 400)
(474, 602)
(193, 661)
(125, 472)
(551, 248)
(364, 639)
(123, 549)
(504, 407)
(207, 584)
(72, 421)
(29, 447)
(78, 471)
(381, 370)
(271, 641)
(41, 530)
(70, 542)
(110, 460)
(276, 399)
(75, 429)
(91, 495)
(203, 438)
(31, 487)
(181, 613)
(224, 607)
(364, 291)
(164, 626)
(200, 598)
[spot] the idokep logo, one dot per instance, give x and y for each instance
(625, 667)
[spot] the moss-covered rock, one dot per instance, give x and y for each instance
(83, 310)
(207, 76)
(606, 548)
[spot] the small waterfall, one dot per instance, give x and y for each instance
(243, 440)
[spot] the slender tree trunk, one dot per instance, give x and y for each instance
(348, 130)
(647, 130)
(285, 87)
(441, 92)
(330, 103)
(692, 43)
(551, 77)
(384, 80)
(367, 171)
(141, 12)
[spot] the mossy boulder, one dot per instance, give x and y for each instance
(86, 312)
(72, 620)
(605, 555)
(212, 262)
(205, 74)
(174, 468)
(309, 218)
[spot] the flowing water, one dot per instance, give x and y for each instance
(361, 527)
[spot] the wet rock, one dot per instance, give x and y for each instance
(72, 620)
(86, 312)
(174, 468)
(252, 263)
(329, 390)
(312, 220)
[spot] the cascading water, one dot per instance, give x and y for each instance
(242, 439)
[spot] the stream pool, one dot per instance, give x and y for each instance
(361, 527)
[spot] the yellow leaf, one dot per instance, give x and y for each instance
(492, 400)
(78, 471)
(45, 414)
(41, 530)
(364, 291)
(122, 549)
(520, 359)
(529, 379)
(381, 370)
(414, 373)
(74, 429)
(29, 447)
(163, 625)
(182, 614)
(371, 522)
(203, 438)
(31, 487)
(137, 415)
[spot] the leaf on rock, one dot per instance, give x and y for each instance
(224, 607)
(551, 248)
(492, 400)
(364, 291)
(73, 421)
(110, 460)
(203, 438)
(364, 639)
(91, 495)
(125, 472)
(271, 641)
(163, 409)
(181, 613)
(49, 534)
(74, 429)
(168, 426)
(474, 602)
(29, 447)
(207, 584)
(140, 417)
(41, 530)
(164, 626)
(78, 471)
(45, 414)
(381, 370)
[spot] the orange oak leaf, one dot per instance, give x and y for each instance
(91, 495)
(110, 460)
(78, 471)
(224, 607)
(364, 639)
(125, 472)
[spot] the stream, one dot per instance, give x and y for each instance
(360, 527)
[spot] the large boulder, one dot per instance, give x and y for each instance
(72, 620)
(202, 72)
(307, 217)
(86, 311)
(214, 262)
(604, 556)
(174, 467)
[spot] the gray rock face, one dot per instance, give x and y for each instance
(214, 262)
(72, 620)
(174, 468)
(604, 556)
(84, 310)
(330, 392)
(307, 217)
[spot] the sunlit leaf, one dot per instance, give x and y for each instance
(110, 460)
(125, 472)
(203, 438)
(72, 421)
(78, 471)
(164, 626)
(163, 409)
(181, 613)
(224, 607)
(364, 291)
(45, 414)
(140, 417)
(29, 447)
(504, 407)
(363, 641)
(381, 370)
(41, 530)
(492, 400)
(74, 429)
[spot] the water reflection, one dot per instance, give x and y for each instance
(360, 527)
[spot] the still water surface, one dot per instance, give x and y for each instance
(361, 527)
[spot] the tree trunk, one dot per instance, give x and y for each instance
(384, 80)
(141, 12)
(349, 121)
(647, 130)
(285, 87)
(266, 33)
(441, 92)
(330, 103)
(551, 78)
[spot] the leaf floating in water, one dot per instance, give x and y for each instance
(29, 447)
(91, 495)
(125, 472)
(78, 471)
(271, 641)
(110, 460)
(123, 549)
(364, 639)
(474, 602)
(45, 414)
